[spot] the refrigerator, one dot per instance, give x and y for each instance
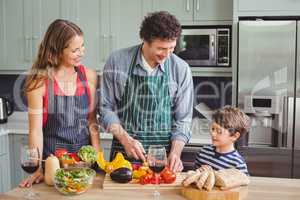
(268, 91)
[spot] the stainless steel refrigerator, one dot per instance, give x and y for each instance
(269, 92)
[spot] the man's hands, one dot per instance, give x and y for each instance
(133, 148)
(175, 163)
(174, 160)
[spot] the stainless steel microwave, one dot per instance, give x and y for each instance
(205, 46)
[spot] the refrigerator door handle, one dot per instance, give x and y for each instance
(297, 125)
(290, 112)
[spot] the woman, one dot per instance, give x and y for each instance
(61, 95)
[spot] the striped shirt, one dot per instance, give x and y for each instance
(208, 156)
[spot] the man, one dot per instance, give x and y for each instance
(147, 93)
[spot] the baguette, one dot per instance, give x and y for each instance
(210, 181)
(191, 178)
(230, 178)
(202, 179)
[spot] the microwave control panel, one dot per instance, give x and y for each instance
(223, 49)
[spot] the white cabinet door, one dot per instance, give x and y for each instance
(268, 5)
(213, 10)
(44, 13)
(23, 23)
(182, 9)
(86, 15)
(15, 43)
(5, 183)
(4, 174)
(126, 17)
(106, 147)
(16, 174)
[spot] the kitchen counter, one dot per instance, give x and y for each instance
(260, 188)
(18, 124)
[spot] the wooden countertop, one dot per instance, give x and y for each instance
(260, 188)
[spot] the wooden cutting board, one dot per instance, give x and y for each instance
(192, 193)
(110, 184)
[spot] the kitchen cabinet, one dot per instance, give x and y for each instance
(23, 23)
(197, 10)
(106, 147)
(268, 5)
(107, 27)
(16, 141)
(119, 25)
(5, 183)
(4, 173)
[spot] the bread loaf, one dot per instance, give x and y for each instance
(191, 178)
(210, 181)
(230, 178)
(202, 179)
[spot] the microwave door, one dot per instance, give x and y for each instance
(197, 47)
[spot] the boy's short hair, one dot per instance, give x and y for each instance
(232, 119)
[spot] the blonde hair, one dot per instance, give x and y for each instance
(232, 119)
(57, 37)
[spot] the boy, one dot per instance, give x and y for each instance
(228, 125)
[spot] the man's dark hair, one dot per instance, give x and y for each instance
(160, 25)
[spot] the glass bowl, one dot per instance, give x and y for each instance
(73, 181)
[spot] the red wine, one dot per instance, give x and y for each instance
(29, 167)
(157, 168)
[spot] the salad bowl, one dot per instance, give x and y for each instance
(73, 181)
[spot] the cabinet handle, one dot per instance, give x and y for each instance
(28, 49)
(112, 44)
(197, 5)
(105, 47)
(34, 46)
(187, 5)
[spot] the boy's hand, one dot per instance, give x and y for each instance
(204, 168)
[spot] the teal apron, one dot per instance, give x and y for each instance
(145, 109)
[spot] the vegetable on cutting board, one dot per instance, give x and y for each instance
(51, 165)
(118, 162)
(121, 175)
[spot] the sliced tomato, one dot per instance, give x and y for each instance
(60, 152)
(168, 175)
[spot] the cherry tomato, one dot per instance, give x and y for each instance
(146, 179)
(60, 152)
(168, 176)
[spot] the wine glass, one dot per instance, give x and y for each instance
(157, 160)
(30, 162)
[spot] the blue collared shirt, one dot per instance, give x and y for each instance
(181, 88)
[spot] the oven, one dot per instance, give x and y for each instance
(205, 46)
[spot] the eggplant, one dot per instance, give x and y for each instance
(121, 175)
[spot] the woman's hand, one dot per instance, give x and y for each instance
(36, 177)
